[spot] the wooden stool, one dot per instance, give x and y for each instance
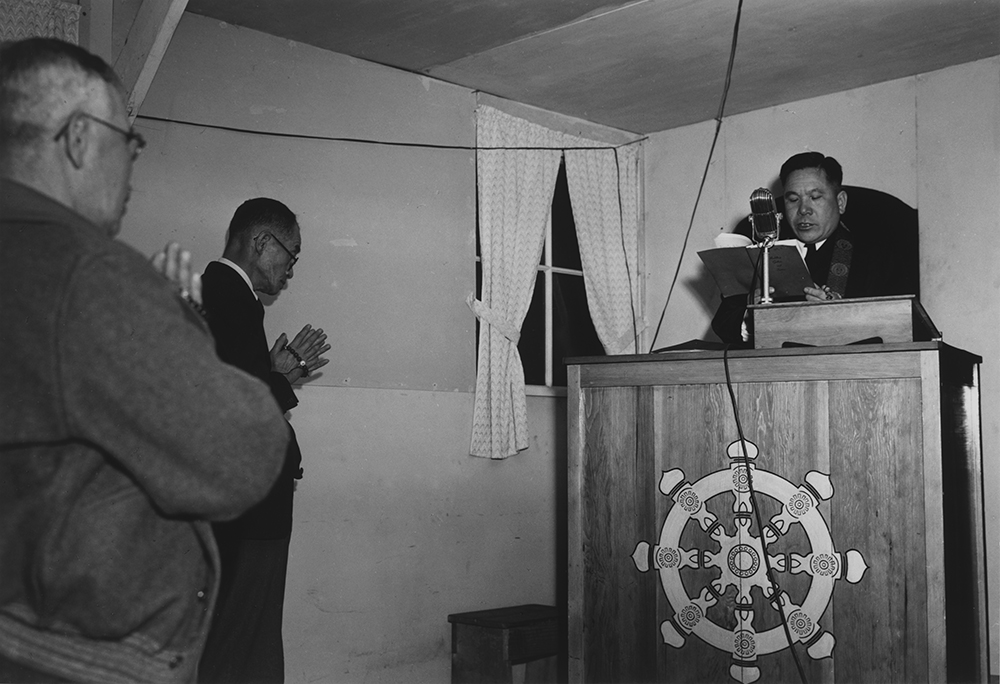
(486, 643)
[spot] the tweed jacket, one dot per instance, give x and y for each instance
(121, 435)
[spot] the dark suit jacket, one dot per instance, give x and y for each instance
(885, 259)
(236, 318)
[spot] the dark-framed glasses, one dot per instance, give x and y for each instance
(133, 139)
(281, 244)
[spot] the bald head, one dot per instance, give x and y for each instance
(63, 127)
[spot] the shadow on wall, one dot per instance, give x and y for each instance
(890, 223)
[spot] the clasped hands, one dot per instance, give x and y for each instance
(308, 345)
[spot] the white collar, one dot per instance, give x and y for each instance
(243, 274)
(802, 246)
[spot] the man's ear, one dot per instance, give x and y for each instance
(260, 242)
(842, 201)
(77, 141)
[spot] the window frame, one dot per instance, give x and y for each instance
(545, 266)
(547, 270)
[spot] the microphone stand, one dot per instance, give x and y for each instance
(766, 285)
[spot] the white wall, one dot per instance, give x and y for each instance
(396, 526)
(932, 140)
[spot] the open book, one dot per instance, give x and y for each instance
(734, 267)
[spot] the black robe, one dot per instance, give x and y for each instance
(885, 256)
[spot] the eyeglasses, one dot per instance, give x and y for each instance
(282, 245)
(132, 138)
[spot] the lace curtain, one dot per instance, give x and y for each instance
(515, 192)
(603, 188)
(21, 19)
(515, 189)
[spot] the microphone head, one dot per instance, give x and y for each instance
(764, 215)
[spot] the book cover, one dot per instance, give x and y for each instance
(735, 268)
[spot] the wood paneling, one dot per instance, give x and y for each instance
(893, 319)
(880, 436)
(615, 510)
(747, 368)
(878, 509)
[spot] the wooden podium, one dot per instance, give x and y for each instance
(865, 465)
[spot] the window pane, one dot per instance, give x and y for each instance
(479, 296)
(565, 250)
(532, 343)
(573, 332)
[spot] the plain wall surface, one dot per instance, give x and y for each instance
(396, 526)
(932, 140)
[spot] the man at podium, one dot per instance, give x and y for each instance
(876, 256)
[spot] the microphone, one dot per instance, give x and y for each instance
(764, 219)
(764, 216)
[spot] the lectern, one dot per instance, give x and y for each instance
(856, 486)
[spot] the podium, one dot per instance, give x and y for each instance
(858, 483)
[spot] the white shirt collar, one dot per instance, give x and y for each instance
(802, 246)
(243, 274)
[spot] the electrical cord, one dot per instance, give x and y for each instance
(704, 174)
(628, 270)
(776, 589)
(474, 148)
(370, 141)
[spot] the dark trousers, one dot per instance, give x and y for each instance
(244, 644)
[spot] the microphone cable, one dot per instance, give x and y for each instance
(704, 173)
(775, 599)
(628, 270)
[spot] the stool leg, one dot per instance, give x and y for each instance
(479, 656)
(542, 671)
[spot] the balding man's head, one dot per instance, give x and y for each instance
(63, 127)
(42, 81)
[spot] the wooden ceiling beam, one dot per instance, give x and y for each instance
(147, 40)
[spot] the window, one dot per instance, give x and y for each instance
(558, 323)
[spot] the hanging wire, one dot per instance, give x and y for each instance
(775, 588)
(371, 141)
(708, 162)
(628, 270)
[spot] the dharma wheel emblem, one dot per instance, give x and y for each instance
(740, 561)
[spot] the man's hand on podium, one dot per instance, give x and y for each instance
(821, 294)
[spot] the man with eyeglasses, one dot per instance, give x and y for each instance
(121, 432)
(262, 247)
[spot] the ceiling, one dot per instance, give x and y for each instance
(641, 66)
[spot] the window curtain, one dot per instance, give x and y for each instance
(603, 188)
(21, 19)
(515, 189)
